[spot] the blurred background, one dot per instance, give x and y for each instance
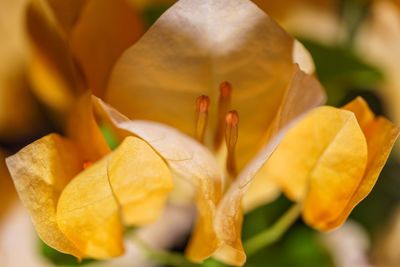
(356, 48)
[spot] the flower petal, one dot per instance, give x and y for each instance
(40, 172)
(381, 135)
(105, 29)
(189, 51)
(191, 163)
(92, 205)
(320, 162)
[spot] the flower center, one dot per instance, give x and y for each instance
(227, 124)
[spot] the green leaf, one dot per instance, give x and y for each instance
(298, 247)
(59, 259)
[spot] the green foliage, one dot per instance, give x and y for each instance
(339, 69)
(109, 135)
(59, 259)
(299, 247)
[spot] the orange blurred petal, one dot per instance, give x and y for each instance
(105, 29)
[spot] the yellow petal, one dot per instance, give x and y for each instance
(88, 214)
(105, 29)
(191, 163)
(53, 71)
(40, 172)
(381, 135)
(189, 51)
(304, 92)
(91, 207)
(320, 163)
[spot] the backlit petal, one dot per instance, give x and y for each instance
(189, 51)
(95, 204)
(40, 172)
(191, 163)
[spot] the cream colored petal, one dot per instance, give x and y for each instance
(92, 208)
(191, 163)
(105, 29)
(40, 172)
(189, 51)
(304, 93)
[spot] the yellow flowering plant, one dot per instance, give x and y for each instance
(222, 72)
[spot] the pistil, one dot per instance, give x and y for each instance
(231, 137)
(224, 103)
(202, 105)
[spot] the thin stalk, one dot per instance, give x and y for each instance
(163, 257)
(274, 233)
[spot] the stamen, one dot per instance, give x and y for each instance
(87, 164)
(224, 103)
(202, 105)
(231, 137)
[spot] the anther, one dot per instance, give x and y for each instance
(224, 103)
(87, 164)
(231, 137)
(202, 105)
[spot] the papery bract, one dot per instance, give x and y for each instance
(69, 199)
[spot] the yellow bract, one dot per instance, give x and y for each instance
(190, 50)
(74, 45)
(40, 171)
(191, 163)
(81, 209)
(120, 184)
(330, 161)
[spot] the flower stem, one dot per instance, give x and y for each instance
(163, 257)
(274, 233)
